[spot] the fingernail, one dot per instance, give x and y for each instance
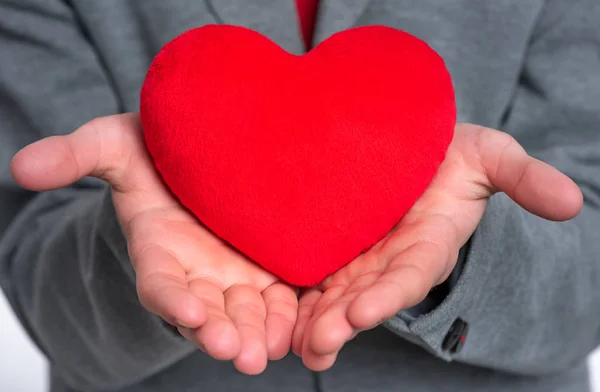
(180, 324)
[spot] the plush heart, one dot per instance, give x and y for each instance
(299, 162)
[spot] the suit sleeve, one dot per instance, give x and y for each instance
(64, 265)
(529, 288)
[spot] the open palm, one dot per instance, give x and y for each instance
(231, 308)
(420, 253)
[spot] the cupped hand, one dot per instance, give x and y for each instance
(420, 253)
(228, 306)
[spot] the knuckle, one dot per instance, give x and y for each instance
(250, 313)
(282, 305)
(117, 142)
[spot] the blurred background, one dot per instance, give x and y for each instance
(23, 369)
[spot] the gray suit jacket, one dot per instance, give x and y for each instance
(527, 288)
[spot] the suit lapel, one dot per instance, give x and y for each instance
(337, 15)
(278, 20)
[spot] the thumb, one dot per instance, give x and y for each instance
(534, 185)
(100, 148)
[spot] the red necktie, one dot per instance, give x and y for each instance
(307, 13)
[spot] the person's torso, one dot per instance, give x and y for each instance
(483, 44)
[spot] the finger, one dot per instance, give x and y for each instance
(306, 306)
(218, 335)
(100, 148)
(332, 329)
(534, 185)
(111, 148)
(406, 282)
(191, 335)
(281, 304)
(162, 288)
(246, 308)
(315, 357)
(318, 363)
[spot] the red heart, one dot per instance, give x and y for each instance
(299, 162)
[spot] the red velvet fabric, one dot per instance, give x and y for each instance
(299, 162)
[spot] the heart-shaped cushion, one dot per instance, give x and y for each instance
(299, 162)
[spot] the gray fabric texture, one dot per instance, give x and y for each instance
(528, 288)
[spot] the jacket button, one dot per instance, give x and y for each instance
(456, 336)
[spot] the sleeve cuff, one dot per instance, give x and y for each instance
(440, 324)
(439, 293)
